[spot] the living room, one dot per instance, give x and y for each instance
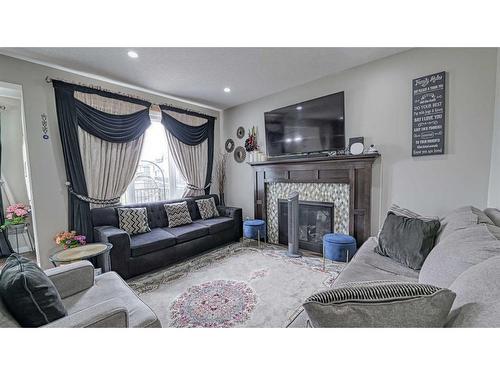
(250, 186)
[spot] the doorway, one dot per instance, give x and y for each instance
(15, 184)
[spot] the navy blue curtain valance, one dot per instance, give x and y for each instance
(192, 135)
(109, 127)
(71, 114)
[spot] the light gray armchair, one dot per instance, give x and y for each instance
(104, 301)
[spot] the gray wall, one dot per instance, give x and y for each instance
(12, 160)
(378, 107)
(494, 190)
(45, 157)
(12, 152)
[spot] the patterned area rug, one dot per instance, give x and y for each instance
(235, 286)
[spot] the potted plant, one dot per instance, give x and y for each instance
(70, 240)
(16, 215)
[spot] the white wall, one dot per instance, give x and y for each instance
(378, 107)
(494, 190)
(46, 160)
(12, 152)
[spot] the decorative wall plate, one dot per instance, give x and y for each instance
(229, 145)
(240, 132)
(240, 154)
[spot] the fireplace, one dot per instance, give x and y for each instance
(315, 220)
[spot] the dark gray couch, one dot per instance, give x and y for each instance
(134, 255)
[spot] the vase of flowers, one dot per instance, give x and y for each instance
(70, 240)
(251, 144)
(16, 214)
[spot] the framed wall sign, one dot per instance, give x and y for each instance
(428, 116)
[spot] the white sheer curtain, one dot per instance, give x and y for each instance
(191, 161)
(109, 167)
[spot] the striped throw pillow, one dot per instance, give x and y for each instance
(380, 304)
(178, 214)
(133, 220)
(207, 208)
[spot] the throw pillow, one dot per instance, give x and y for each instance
(407, 240)
(207, 208)
(379, 304)
(400, 211)
(178, 214)
(29, 294)
(134, 220)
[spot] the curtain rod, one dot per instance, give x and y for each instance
(97, 87)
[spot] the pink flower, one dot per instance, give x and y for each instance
(10, 209)
(20, 212)
(9, 216)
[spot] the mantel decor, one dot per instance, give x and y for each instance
(354, 170)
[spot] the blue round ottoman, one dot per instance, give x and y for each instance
(254, 229)
(339, 247)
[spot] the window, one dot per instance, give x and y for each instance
(157, 177)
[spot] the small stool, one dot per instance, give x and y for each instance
(254, 229)
(338, 247)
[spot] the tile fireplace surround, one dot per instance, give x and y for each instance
(338, 194)
(344, 180)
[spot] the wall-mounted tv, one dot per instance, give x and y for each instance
(316, 125)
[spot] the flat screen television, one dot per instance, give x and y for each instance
(313, 126)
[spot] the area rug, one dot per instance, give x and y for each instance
(235, 286)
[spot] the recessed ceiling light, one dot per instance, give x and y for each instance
(132, 54)
(298, 108)
(227, 89)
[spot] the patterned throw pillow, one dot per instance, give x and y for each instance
(178, 214)
(207, 208)
(133, 220)
(380, 304)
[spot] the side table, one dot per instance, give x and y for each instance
(20, 229)
(100, 251)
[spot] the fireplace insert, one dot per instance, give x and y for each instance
(315, 220)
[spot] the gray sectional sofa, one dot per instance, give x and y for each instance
(465, 259)
(92, 301)
(134, 255)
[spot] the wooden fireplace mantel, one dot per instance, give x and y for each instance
(355, 170)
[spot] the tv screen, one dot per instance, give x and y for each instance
(313, 126)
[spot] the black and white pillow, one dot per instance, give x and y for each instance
(178, 214)
(380, 304)
(133, 220)
(207, 208)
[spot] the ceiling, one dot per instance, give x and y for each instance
(201, 74)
